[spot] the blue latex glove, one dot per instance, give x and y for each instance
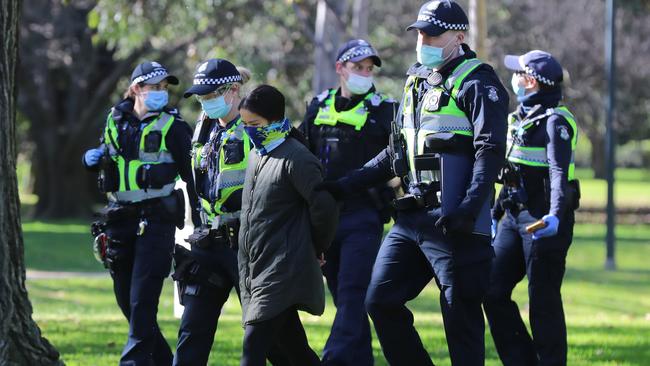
(92, 156)
(493, 228)
(552, 223)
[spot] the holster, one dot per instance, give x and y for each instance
(188, 270)
(174, 206)
(411, 202)
(115, 252)
(200, 237)
(574, 194)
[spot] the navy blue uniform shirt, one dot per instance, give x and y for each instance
(484, 101)
(546, 188)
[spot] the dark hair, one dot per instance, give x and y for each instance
(265, 101)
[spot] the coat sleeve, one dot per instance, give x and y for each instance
(305, 172)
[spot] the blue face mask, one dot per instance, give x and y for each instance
(156, 99)
(519, 90)
(430, 56)
(216, 107)
(268, 137)
(358, 84)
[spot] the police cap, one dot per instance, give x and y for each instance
(212, 74)
(151, 72)
(538, 64)
(437, 17)
(356, 50)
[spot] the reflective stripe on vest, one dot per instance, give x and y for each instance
(231, 176)
(129, 190)
(536, 155)
(448, 118)
(355, 117)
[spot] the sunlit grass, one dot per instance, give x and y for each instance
(608, 312)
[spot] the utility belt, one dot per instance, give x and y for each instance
(427, 200)
(190, 274)
(170, 208)
(205, 237)
(107, 251)
(516, 199)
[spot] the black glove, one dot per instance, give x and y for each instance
(333, 187)
(457, 222)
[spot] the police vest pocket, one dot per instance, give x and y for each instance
(109, 176)
(233, 152)
(152, 141)
(155, 175)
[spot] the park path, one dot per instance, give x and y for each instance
(49, 275)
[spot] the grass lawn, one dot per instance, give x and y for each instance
(608, 313)
(630, 188)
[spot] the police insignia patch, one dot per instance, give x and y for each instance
(564, 132)
(492, 93)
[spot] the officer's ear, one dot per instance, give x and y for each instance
(339, 67)
(460, 37)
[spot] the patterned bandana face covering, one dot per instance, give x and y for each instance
(267, 138)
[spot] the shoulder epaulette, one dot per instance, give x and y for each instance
(418, 70)
(322, 96)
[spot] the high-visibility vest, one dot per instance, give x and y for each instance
(535, 156)
(231, 176)
(147, 163)
(355, 117)
(446, 118)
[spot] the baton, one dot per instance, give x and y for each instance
(540, 224)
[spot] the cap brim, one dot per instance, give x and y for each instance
(156, 79)
(201, 89)
(512, 62)
(426, 27)
(375, 59)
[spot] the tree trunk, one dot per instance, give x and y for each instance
(360, 19)
(329, 28)
(598, 155)
(478, 27)
(20, 338)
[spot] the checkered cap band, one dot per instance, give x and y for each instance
(150, 75)
(441, 24)
(356, 52)
(218, 81)
(539, 77)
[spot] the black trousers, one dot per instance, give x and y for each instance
(140, 266)
(543, 261)
(413, 253)
(284, 332)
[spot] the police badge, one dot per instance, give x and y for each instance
(432, 99)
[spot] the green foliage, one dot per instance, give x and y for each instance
(607, 312)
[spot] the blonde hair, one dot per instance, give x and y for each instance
(245, 73)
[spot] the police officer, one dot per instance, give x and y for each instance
(538, 184)
(448, 146)
(145, 147)
(345, 128)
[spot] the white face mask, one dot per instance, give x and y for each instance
(358, 84)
